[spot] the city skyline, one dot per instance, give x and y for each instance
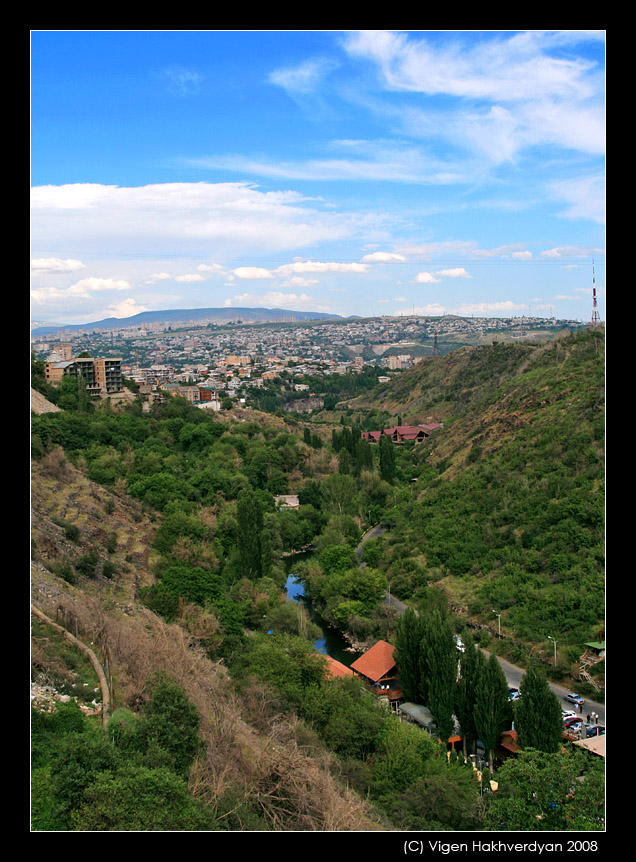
(352, 172)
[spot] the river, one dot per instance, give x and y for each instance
(331, 642)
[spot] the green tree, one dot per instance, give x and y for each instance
(408, 641)
(345, 716)
(549, 792)
(168, 733)
(78, 760)
(338, 494)
(492, 708)
(401, 754)
(136, 798)
(387, 459)
(472, 665)
(438, 657)
(249, 519)
(538, 718)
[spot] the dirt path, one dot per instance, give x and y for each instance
(91, 655)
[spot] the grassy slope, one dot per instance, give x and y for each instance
(509, 509)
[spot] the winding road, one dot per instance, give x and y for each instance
(513, 674)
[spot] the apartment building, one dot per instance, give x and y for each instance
(102, 376)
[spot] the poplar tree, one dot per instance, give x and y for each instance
(387, 459)
(538, 718)
(472, 664)
(492, 708)
(408, 641)
(438, 655)
(249, 518)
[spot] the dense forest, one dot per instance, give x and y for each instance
(226, 717)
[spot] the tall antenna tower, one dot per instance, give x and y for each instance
(595, 315)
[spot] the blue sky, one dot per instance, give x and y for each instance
(357, 172)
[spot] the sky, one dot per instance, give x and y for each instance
(355, 172)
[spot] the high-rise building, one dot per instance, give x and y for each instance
(101, 376)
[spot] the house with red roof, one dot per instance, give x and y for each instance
(402, 433)
(337, 669)
(377, 669)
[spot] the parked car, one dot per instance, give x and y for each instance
(459, 644)
(595, 730)
(514, 694)
(569, 714)
(572, 697)
(574, 719)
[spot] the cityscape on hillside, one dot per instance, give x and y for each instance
(206, 363)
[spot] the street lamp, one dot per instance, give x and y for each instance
(555, 643)
(499, 620)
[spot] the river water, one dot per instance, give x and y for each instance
(331, 641)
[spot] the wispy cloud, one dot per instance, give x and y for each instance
(503, 93)
(180, 81)
(304, 78)
(277, 299)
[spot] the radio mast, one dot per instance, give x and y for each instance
(595, 315)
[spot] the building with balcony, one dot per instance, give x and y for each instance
(102, 376)
(377, 670)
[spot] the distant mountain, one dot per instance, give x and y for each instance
(192, 315)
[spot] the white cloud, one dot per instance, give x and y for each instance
(456, 272)
(253, 272)
(585, 198)
(568, 251)
(82, 289)
(487, 309)
(321, 266)
(181, 81)
(384, 257)
(225, 219)
(426, 278)
(189, 277)
(498, 67)
(502, 94)
(432, 309)
(277, 299)
(298, 281)
(304, 78)
(127, 308)
(356, 161)
(51, 265)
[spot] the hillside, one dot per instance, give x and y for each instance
(198, 316)
(508, 505)
(156, 541)
(266, 776)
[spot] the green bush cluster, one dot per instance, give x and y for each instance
(132, 779)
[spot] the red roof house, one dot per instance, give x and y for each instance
(337, 668)
(377, 669)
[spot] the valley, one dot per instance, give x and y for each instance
(157, 531)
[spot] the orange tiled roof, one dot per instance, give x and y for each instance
(336, 668)
(376, 662)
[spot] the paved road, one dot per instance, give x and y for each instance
(513, 673)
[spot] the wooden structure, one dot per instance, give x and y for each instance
(377, 669)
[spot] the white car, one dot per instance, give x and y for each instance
(569, 713)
